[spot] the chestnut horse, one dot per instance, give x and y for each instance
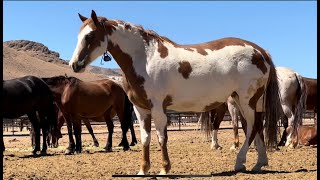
(30, 95)
(100, 100)
(159, 74)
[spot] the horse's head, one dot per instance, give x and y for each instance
(92, 41)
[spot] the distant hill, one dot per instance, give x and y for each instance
(24, 57)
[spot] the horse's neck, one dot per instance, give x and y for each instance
(130, 49)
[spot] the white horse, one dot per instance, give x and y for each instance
(160, 74)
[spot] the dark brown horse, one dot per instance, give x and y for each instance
(30, 95)
(311, 103)
(101, 99)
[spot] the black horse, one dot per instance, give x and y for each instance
(32, 96)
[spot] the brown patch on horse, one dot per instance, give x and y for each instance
(257, 60)
(134, 84)
(254, 99)
(308, 135)
(311, 102)
(257, 127)
(189, 49)
(212, 106)
(162, 49)
(185, 69)
(166, 102)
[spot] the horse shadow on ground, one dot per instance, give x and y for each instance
(38, 155)
(232, 173)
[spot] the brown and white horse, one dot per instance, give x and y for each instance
(160, 74)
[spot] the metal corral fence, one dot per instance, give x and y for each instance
(175, 119)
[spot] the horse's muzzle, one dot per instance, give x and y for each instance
(76, 68)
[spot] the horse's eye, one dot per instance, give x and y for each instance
(89, 37)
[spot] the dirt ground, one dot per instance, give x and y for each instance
(189, 152)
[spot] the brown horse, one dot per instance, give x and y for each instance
(311, 103)
(101, 99)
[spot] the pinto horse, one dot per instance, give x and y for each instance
(100, 100)
(160, 75)
(30, 95)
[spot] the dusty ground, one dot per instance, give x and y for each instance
(189, 153)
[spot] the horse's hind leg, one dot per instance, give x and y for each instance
(36, 127)
(259, 140)
(110, 125)
(89, 127)
(133, 135)
(71, 147)
(220, 111)
(77, 133)
(284, 134)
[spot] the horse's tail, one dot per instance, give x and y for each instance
(301, 105)
(272, 106)
(206, 124)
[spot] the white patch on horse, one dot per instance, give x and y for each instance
(80, 45)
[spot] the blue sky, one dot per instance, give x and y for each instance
(286, 29)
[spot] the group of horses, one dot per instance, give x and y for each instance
(161, 75)
(49, 102)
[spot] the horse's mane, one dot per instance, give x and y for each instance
(150, 33)
(61, 79)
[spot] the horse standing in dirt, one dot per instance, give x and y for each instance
(100, 100)
(160, 74)
(293, 100)
(30, 95)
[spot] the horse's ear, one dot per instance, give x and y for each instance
(94, 17)
(82, 17)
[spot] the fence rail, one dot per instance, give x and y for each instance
(16, 125)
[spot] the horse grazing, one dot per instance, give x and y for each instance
(216, 116)
(100, 100)
(159, 74)
(293, 99)
(30, 95)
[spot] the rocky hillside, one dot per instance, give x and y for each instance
(23, 57)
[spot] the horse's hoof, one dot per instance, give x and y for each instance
(43, 152)
(216, 148)
(133, 143)
(68, 152)
(126, 149)
(96, 144)
(106, 149)
(240, 168)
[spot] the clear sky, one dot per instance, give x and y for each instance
(286, 29)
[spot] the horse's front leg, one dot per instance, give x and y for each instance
(89, 127)
(71, 147)
(77, 133)
(144, 117)
(160, 121)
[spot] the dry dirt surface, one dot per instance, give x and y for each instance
(189, 153)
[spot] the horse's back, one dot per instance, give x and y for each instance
(25, 94)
